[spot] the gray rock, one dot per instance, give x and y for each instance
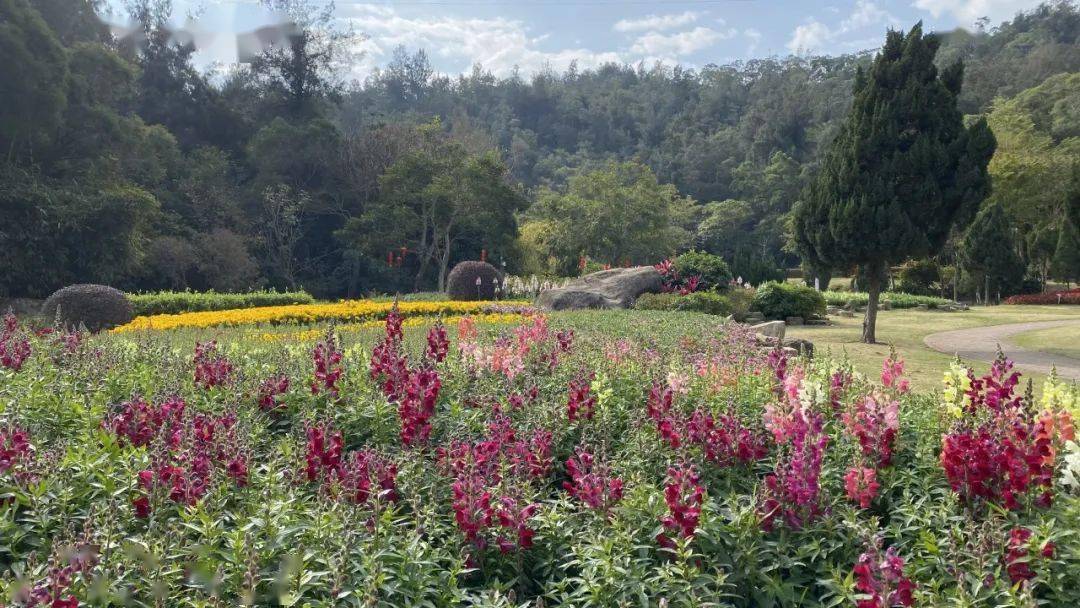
(923, 307)
(794, 320)
(615, 288)
(770, 329)
(817, 321)
(803, 347)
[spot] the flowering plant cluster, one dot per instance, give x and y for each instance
(880, 580)
(626, 464)
(211, 368)
(673, 282)
(185, 449)
(14, 347)
(999, 450)
(363, 477)
(591, 481)
(684, 496)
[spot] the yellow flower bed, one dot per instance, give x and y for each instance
(346, 311)
(308, 335)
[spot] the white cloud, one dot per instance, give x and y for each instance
(678, 44)
(809, 37)
(867, 13)
(499, 44)
(968, 11)
(813, 36)
(656, 22)
(754, 37)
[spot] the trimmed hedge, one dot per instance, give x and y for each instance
(712, 269)
(708, 302)
(895, 299)
(461, 282)
(174, 302)
(778, 300)
(1071, 296)
(95, 307)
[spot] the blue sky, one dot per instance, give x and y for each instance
(533, 34)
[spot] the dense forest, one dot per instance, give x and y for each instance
(123, 164)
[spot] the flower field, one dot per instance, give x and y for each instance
(599, 459)
(346, 311)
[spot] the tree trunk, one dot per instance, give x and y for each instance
(986, 298)
(445, 261)
(873, 288)
(956, 283)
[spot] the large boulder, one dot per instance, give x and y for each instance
(615, 288)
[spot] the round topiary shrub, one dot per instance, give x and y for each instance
(461, 283)
(712, 269)
(781, 300)
(97, 307)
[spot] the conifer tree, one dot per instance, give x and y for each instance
(1066, 261)
(902, 171)
(989, 250)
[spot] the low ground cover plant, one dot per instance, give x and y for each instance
(173, 302)
(896, 299)
(547, 462)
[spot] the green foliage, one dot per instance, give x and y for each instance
(708, 302)
(95, 307)
(441, 202)
(896, 299)
(461, 284)
(173, 302)
(754, 268)
(620, 214)
(886, 191)
(919, 277)
(778, 300)
(712, 269)
(1066, 262)
(989, 251)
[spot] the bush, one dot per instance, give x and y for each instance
(755, 269)
(708, 302)
(742, 300)
(919, 277)
(174, 302)
(1053, 297)
(778, 300)
(95, 306)
(895, 299)
(711, 269)
(461, 282)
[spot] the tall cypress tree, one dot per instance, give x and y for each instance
(902, 171)
(989, 250)
(1066, 261)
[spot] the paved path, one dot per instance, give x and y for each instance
(981, 344)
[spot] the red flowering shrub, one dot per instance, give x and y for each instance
(270, 391)
(14, 346)
(185, 449)
(438, 344)
(1071, 296)
(591, 482)
(328, 369)
(580, 402)
(211, 368)
(16, 456)
(684, 496)
(417, 406)
(1017, 557)
(861, 485)
(363, 477)
(793, 490)
(880, 580)
(998, 451)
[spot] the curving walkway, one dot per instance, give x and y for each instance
(981, 344)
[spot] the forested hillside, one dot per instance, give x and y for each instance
(123, 164)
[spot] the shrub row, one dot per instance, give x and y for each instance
(1071, 296)
(173, 302)
(896, 299)
(708, 302)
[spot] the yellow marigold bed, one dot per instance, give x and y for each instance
(346, 311)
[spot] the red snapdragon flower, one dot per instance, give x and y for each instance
(591, 482)
(581, 403)
(880, 580)
(684, 496)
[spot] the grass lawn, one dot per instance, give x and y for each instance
(905, 329)
(1063, 341)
